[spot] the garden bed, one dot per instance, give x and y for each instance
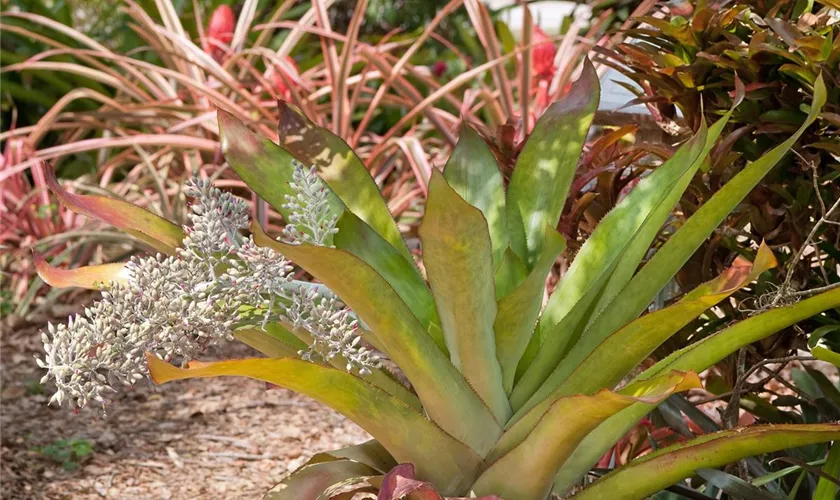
(222, 438)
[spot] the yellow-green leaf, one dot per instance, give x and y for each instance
(647, 475)
(518, 311)
(457, 254)
(406, 433)
(90, 277)
(545, 168)
(445, 394)
(619, 353)
(359, 239)
(555, 437)
(473, 173)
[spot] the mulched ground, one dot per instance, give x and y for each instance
(213, 438)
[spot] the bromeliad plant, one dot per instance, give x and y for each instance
(507, 397)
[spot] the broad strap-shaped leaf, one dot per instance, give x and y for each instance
(370, 453)
(697, 357)
(362, 241)
(518, 311)
(711, 350)
(473, 173)
(510, 273)
(90, 277)
(310, 481)
(539, 360)
(827, 490)
(557, 434)
(618, 354)
(596, 443)
(154, 230)
(662, 468)
(594, 264)
(282, 345)
(614, 234)
(264, 166)
(445, 394)
(670, 382)
(404, 432)
(341, 169)
(457, 254)
(360, 465)
(280, 340)
(668, 260)
(545, 168)
(826, 355)
(642, 240)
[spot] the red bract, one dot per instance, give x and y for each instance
(289, 69)
(543, 54)
(439, 68)
(219, 32)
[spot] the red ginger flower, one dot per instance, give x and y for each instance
(219, 32)
(290, 70)
(543, 54)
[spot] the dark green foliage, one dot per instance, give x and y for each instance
(70, 453)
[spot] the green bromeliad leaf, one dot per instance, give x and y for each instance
(518, 310)
(341, 169)
(620, 353)
(359, 239)
(264, 166)
(154, 230)
(510, 273)
(406, 433)
(362, 464)
(473, 173)
(458, 258)
(697, 357)
(281, 344)
(545, 168)
(713, 349)
(561, 427)
(312, 480)
(827, 490)
(576, 295)
(662, 468)
(370, 453)
(668, 260)
(445, 394)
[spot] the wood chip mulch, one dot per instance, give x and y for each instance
(228, 438)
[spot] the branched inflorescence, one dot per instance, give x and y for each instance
(312, 220)
(335, 331)
(178, 306)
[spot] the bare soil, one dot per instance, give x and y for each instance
(229, 438)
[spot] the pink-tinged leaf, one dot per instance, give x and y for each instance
(401, 482)
(312, 480)
(91, 277)
(154, 230)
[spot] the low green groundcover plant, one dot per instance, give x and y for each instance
(510, 396)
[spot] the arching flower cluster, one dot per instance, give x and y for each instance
(178, 306)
